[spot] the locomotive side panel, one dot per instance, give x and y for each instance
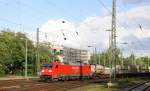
(70, 71)
(66, 71)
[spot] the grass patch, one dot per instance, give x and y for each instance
(3, 75)
(101, 88)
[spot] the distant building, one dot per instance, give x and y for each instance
(71, 55)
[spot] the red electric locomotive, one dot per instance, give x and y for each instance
(59, 71)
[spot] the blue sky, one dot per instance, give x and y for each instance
(91, 17)
(35, 12)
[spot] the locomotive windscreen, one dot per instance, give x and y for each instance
(47, 66)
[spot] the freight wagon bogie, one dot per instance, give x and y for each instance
(66, 78)
(45, 78)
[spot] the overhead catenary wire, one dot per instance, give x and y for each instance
(138, 25)
(19, 24)
(64, 10)
(105, 6)
(32, 8)
(18, 3)
(49, 33)
(124, 28)
(26, 6)
(37, 11)
(14, 22)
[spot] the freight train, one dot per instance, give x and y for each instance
(59, 71)
(73, 64)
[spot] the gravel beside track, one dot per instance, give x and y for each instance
(36, 85)
(139, 87)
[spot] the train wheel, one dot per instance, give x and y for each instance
(67, 78)
(54, 79)
(85, 78)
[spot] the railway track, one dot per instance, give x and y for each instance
(145, 86)
(35, 85)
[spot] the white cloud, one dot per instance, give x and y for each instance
(131, 20)
(91, 32)
(53, 31)
(92, 29)
(145, 33)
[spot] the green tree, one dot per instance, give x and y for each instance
(12, 52)
(45, 52)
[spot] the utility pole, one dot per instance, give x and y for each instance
(26, 60)
(104, 59)
(113, 37)
(122, 62)
(95, 56)
(148, 64)
(99, 57)
(37, 57)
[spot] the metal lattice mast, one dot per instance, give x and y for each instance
(113, 37)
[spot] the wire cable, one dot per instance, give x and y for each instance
(124, 28)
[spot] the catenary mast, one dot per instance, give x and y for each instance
(113, 37)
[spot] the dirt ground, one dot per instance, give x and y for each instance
(93, 87)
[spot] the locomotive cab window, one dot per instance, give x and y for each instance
(47, 66)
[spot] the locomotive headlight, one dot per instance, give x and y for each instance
(43, 71)
(50, 70)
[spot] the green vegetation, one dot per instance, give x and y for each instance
(12, 53)
(104, 59)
